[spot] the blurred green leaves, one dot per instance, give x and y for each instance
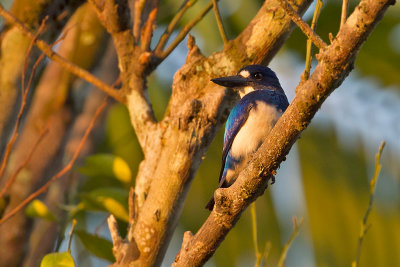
(110, 199)
(106, 169)
(37, 209)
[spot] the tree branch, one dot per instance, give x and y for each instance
(335, 63)
(62, 172)
(137, 20)
(147, 31)
(14, 46)
(47, 50)
(345, 6)
(185, 31)
(372, 186)
(219, 22)
(165, 36)
(307, 67)
(303, 25)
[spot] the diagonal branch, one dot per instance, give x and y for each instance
(345, 7)
(307, 68)
(335, 63)
(219, 22)
(303, 25)
(147, 31)
(24, 95)
(62, 172)
(185, 31)
(48, 51)
(165, 36)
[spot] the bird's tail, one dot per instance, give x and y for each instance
(210, 204)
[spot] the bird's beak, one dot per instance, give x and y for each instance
(231, 81)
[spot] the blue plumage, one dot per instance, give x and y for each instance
(262, 103)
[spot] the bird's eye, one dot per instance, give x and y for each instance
(258, 76)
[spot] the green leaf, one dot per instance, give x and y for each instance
(107, 166)
(63, 259)
(38, 209)
(96, 245)
(113, 200)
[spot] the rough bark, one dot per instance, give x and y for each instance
(335, 63)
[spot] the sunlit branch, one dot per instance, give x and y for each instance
(307, 68)
(345, 6)
(303, 25)
(219, 22)
(24, 95)
(167, 34)
(149, 27)
(47, 50)
(137, 20)
(185, 31)
(22, 166)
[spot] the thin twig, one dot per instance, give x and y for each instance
(372, 187)
(165, 36)
(254, 227)
(307, 68)
(303, 25)
(26, 161)
(113, 226)
(343, 18)
(81, 73)
(62, 172)
(185, 31)
(70, 235)
(286, 247)
(24, 95)
(149, 27)
(31, 44)
(219, 22)
(137, 20)
(265, 255)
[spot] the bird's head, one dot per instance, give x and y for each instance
(251, 78)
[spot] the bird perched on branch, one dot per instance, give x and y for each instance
(262, 103)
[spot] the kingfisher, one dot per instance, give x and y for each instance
(262, 103)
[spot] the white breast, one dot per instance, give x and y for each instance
(261, 120)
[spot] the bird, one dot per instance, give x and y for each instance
(262, 103)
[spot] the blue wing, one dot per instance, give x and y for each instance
(237, 118)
